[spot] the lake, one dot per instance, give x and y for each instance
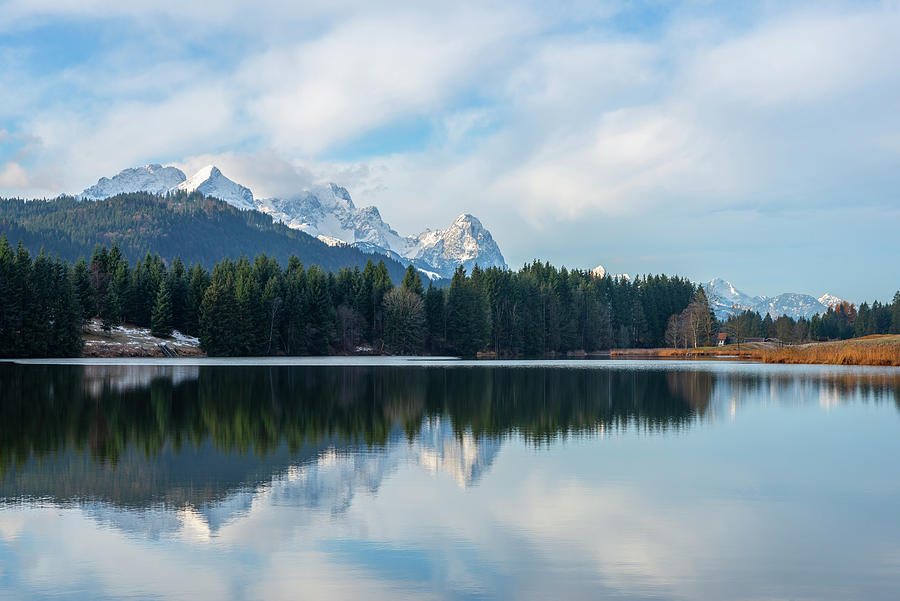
(371, 478)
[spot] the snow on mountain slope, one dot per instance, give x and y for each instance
(723, 296)
(727, 300)
(153, 178)
(209, 181)
(466, 242)
(829, 300)
(328, 213)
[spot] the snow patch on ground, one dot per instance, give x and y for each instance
(133, 341)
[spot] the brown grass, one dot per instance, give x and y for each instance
(868, 350)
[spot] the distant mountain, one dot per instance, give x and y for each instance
(328, 213)
(727, 300)
(154, 178)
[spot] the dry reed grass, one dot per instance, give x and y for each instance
(869, 350)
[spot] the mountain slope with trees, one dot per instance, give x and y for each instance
(193, 227)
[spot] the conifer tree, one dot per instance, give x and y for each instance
(112, 310)
(67, 314)
(84, 292)
(197, 285)
(162, 320)
(219, 316)
(435, 318)
(412, 281)
(895, 314)
(251, 312)
(468, 316)
(177, 283)
(9, 299)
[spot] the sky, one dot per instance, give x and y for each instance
(758, 142)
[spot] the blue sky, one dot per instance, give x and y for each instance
(759, 142)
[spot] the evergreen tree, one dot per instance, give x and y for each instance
(162, 320)
(177, 283)
(320, 326)
(468, 316)
(895, 314)
(435, 319)
(219, 323)
(112, 310)
(84, 291)
(38, 323)
(412, 281)
(9, 299)
(252, 313)
(273, 300)
(67, 314)
(197, 284)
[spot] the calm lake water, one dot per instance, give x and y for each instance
(370, 479)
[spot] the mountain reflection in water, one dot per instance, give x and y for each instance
(180, 452)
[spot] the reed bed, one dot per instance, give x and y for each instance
(869, 350)
(864, 351)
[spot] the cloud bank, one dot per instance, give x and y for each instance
(693, 137)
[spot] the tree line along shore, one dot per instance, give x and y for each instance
(259, 307)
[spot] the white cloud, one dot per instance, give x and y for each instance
(134, 131)
(267, 173)
(541, 119)
(365, 74)
(12, 175)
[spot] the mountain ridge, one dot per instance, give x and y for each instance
(727, 300)
(326, 212)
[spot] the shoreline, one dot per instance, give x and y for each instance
(879, 350)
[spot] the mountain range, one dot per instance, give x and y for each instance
(728, 300)
(326, 212)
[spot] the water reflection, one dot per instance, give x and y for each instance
(389, 481)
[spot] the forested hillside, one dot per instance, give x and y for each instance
(198, 229)
(244, 308)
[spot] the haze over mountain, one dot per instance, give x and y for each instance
(326, 212)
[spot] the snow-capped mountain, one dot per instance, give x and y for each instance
(727, 300)
(465, 242)
(209, 181)
(829, 300)
(153, 178)
(328, 213)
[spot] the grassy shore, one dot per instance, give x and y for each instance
(869, 350)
